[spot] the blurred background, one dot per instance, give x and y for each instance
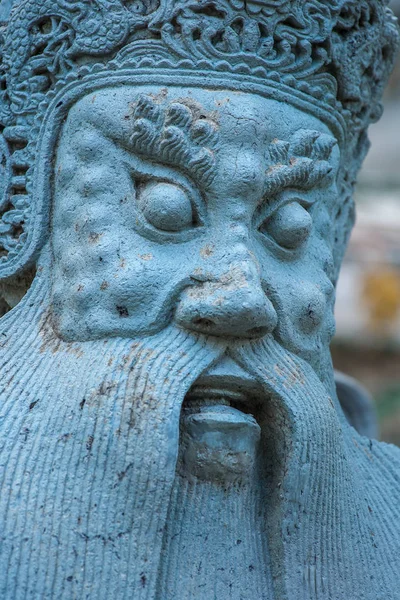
(367, 343)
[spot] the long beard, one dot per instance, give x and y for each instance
(318, 521)
(300, 527)
(90, 442)
(89, 446)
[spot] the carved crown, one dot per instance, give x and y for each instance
(330, 57)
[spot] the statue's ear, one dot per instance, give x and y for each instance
(357, 405)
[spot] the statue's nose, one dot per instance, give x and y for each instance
(234, 305)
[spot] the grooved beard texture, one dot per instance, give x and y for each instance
(89, 443)
(216, 542)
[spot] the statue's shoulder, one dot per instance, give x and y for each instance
(378, 464)
(389, 456)
(357, 405)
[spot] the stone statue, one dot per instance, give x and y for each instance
(176, 196)
(5, 8)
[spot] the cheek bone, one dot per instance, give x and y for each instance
(309, 308)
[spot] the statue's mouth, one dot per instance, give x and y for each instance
(220, 430)
(225, 390)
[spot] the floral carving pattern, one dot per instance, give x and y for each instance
(293, 39)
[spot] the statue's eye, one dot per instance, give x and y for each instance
(289, 226)
(166, 206)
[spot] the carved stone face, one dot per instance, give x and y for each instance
(210, 208)
(202, 451)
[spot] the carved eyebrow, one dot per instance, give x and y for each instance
(302, 162)
(176, 134)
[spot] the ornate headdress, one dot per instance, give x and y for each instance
(327, 57)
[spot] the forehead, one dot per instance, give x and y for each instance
(240, 115)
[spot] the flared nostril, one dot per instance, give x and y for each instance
(206, 323)
(236, 308)
(258, 332)
(234, 324)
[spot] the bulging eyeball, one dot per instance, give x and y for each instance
(166, 206)
(290, 226)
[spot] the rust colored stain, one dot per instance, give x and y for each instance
(94, 238)
(207, 251)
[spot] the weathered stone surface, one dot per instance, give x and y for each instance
(5, 9)
(177, 180)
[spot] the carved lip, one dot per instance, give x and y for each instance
(224, 384)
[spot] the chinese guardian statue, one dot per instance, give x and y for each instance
(176, 181)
